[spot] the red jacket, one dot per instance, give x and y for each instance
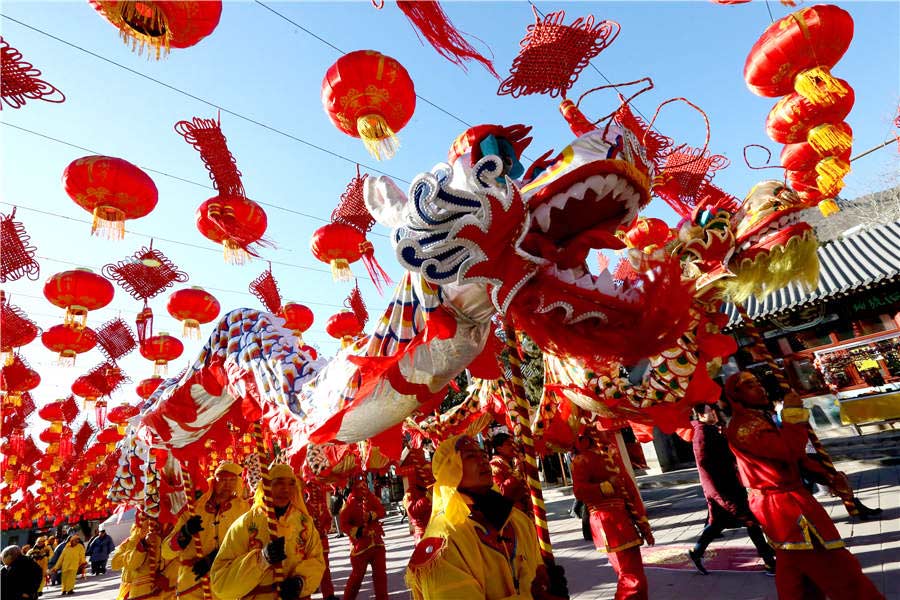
(726, 497)
(768, 459)
(317, 503)
(511, 483)
(604, 485)
(417, 502)
(360, 521)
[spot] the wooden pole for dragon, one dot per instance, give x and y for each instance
(271, 519)
(840, 485)
(517, 406)
(205, 584)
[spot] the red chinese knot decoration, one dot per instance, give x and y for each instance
(17, 258)
(112, 189)
(21, 81)
(161, 24)
(554, 54)
(78, 291)
(16, 329)
(370, 96)
(193, 306)
(145, 274)
(265, 288)
(115, 339)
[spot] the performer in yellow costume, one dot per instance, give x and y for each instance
(69, 562)
(146, 575)
(214, 512)
(41, 554)
(243, 568)
(477, 545)
(123, 553)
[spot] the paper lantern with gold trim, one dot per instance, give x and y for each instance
(69, 341)
(161, 24)
(146, 387)
(792, 117)
(370, 96)
(78, 291)
(193, 306)
(298, 318)
(235, 222)
(161, 349)
(112, 189)
(797, 52)
(344, 326)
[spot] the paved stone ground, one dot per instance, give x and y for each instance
(677, 513)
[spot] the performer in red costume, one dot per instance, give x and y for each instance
(316, 499)
(618, 519)
(417, 500)
(509, 480)
(812, 560)
(360, 520)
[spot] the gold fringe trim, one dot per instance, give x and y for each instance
(109, 223)
(340, 270)
(8, 358)
(160, 368)
(76, 316)
(831, 171)
(140, 23)
(828, 207)
(234, 254)
(378, 137)
(795, 262)
(829, 139)
(819, 86)
(191, 329)
(66, 358)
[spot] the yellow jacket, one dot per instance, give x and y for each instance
(215, 525)
(456, 563)
(147, 583)
(240, 571)
(71, 558)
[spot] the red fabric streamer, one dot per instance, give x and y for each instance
(429, 20)
(20, 80)
(265, 288)
(554, 54)
(17, 258)
(144, 274)
(115, 339)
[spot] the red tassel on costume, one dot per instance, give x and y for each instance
(429, 19)
(379, 276)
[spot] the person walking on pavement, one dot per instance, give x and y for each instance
(40, 553)
(726, 498)
(361, 521)
(618, 519)
(336, 503)
(316, 498)
(70, 561)
(243, 568)
(213, 514)
(98, 551)
(21, 575)
(812, 560)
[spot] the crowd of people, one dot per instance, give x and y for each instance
(470, 515)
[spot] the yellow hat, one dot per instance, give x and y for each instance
(229, 467)
(446, 464)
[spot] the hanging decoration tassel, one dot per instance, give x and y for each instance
(109, 223)
(377, 136)
(378, 275)
(819, 86)
(828, 207)
(831, 139)
(429, 19)
(144, 324)
(140, 24)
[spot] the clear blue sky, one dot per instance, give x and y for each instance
(258, 65)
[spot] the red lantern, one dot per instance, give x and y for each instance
(797, 53)
(792, 117)
(78, 291)
(113, 189)
(298, 318)
(69, 341)
(161, 349)
(370, 96)
(803, 157)
(339, 245)
(831, 139)
(146, 387)
(16, 379)
(83, 388)
(233, 221)
(344, 326)
(161, 24)
(194, 306)
(648, 234)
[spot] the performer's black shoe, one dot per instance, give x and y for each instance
(697, 558)
(769, 568)
(866, 513)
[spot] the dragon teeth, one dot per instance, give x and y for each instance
(542, 217)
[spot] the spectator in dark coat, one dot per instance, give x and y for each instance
(98, 551)
(726, 498)
(21, 575)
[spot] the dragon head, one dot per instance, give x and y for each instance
(526, 243)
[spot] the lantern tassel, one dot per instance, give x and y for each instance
(819, 86)
(340, 270)
(76, 316)
(378, 137)
(160, 368)
(191, 329)
(828, 207)
(378, 275)
(829, 139)
(234, 254)
(66, 358)
(140, 24)
(109, 223)
(832, 169)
